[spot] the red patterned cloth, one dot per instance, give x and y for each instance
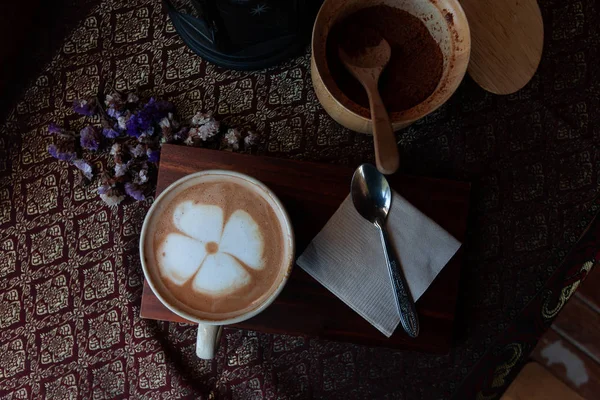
(70, 279)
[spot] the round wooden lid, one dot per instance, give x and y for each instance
(507, 38)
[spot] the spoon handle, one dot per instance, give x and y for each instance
(384, 140)
(406, 306)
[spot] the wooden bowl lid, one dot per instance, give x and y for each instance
(507, 39)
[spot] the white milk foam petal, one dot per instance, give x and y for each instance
(242, 239)
(220, 274)
(182, 257)
(200, 221)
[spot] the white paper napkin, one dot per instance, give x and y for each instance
(347, 258)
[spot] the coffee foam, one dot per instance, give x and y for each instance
(206, 252)
(217, 248)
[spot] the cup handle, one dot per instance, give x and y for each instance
(207, 340)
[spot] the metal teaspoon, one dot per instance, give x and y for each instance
(372, 198)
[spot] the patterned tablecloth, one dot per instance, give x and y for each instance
(70, 277)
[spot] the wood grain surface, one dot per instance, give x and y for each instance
(367, 67)
(311, 193)
(581, 324)
(536, 383)
(507, 38)
(569, 363)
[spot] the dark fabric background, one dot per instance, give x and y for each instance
(70, 279)
(30, 32)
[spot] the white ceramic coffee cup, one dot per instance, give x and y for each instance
(209, 332)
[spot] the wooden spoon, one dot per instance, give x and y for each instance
(366, 66)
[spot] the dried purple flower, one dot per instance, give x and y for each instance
(112, 112)
(84, 167)
(169, 123)
(147, 133)
(140, 177)
(123, 119)
(232, 138)
(138, 124)
(209, 129)
(85, 107)
(174, 123)
(178, 136)
(192, 137)
(164, 123)
(201, 118)
(135, 191)
(111, 196)
(167, 137)
(108, 191)
(137, 151)
(121, 168)
(118, 152)
(114, 100)
(207, 126)
(102, 189)
(89, 138)
(152, 124)
(116, 149)
(110, 133)
(204, 127)
(106, 179)
(153, 155)
(168, 126)
(132, 98)
(106, 182)
(64, 150)
(53, 128)
(251, 140)
(141, 123)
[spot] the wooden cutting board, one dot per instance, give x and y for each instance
(311, 194)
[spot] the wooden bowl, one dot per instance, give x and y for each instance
(447, 23)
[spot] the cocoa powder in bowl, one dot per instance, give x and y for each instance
(415, 67)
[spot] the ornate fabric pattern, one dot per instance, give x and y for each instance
(71, 281)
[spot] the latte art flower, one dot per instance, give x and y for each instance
(212, 255)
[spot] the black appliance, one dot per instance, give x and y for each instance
(244, 34)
